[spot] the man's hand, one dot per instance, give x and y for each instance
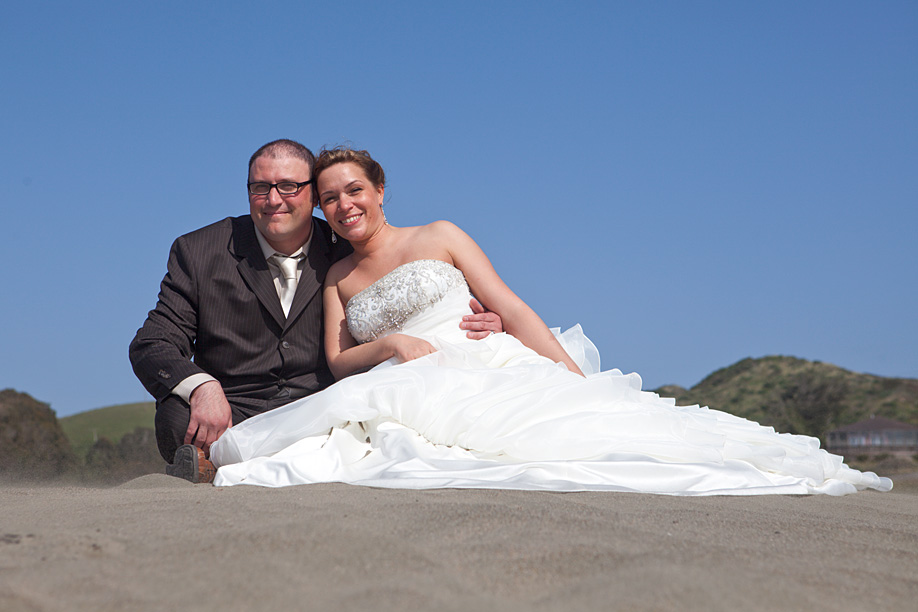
(481, 324)
(210, 416)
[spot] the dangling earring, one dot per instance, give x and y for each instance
(383, 211)
(334, 238)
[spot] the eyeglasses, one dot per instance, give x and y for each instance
(284, 188)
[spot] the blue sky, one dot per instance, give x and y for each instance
(694, 183)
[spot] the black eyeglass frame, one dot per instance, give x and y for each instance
(299, 186)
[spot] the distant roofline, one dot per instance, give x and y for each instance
(876, 424)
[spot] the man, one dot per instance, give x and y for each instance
(242, 298)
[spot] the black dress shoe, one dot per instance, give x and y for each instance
(189, 463)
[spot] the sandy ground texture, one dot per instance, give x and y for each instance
(159, 543)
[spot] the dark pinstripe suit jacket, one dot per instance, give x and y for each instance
(218, 305)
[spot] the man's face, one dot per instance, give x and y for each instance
(284, 220)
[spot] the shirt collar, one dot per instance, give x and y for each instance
(269, 251)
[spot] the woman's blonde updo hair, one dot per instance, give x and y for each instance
(341, 155)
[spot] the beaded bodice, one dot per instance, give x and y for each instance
(386, 305)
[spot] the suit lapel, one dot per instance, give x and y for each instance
(254, 269)
(318, 261)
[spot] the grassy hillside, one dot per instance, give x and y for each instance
(111, 422)
(799, 396)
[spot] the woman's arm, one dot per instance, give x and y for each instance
(518, 318)
(344, 355)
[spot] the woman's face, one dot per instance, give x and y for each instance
(351, 203)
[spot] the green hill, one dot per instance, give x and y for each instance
(111, 422)
(800, 396)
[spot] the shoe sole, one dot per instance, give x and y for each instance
(185, 463)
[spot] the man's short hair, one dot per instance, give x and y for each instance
(284, 148)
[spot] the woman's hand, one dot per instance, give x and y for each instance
(408, 348)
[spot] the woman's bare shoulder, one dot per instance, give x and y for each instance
(440, 230)
(443, 226)
(339, 270)
(437, 240)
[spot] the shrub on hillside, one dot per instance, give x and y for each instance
(135, 455)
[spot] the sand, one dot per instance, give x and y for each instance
(159, 543)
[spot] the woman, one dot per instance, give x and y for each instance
(523, 409)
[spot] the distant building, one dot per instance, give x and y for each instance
(875, 435)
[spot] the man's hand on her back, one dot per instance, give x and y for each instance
(482, 323)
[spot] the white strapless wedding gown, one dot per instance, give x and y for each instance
(494, 414)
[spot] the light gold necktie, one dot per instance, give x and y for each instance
(288, 266)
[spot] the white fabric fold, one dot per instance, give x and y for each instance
(494, 414)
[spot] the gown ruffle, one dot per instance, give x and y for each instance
(494, 414)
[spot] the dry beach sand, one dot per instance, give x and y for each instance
(159, 543)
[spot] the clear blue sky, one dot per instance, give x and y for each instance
(693, 182)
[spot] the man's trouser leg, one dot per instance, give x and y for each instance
(172, 418)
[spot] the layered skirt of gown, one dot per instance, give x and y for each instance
(494, 414)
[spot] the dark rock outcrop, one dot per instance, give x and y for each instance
(32, 444)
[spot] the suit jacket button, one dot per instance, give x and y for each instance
(285, 344)
(164, 374)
